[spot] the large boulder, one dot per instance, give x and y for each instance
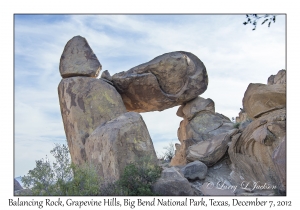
(258, 153)
(173, 183)
(85, 104)
(203, 126)
(190, 109)
(260, 99)
(164, 82)
(200, 121)
(78, 59)
(115, 144)
(212, 150)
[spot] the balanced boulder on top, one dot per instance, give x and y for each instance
(164, 82)
(78, 59)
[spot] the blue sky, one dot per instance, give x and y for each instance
(233, 54)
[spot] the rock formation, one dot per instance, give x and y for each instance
(118, 142)
(258, 153)
(261, 98)
(164, 82)
(98, 128)
(203, 133)
(252, 150)
(173, 183)
(86, 103)
(212, 150)
(279, 78)
(257, 149)
(78, 59)
(101, 131)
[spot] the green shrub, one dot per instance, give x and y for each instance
(62, 177)
(138, 177)
(236, 125)
(86, 181)
(40, 180)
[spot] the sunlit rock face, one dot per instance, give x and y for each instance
(260, 99)
(258, 151)
(164, 82)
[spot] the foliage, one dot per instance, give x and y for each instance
(138, 177)
(169, 153)
(62, 177)
(236, 125)
(254, 19)
(233, 120)
(40, 179)
(86, 181)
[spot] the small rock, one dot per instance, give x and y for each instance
(172, 183)
(106, 75)
(195, 170)
(197, 105)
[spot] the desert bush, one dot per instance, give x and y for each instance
(61, 177)
(236, 125)
(138, 177)
(86, 181)
(169, 152)
(66, 179)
